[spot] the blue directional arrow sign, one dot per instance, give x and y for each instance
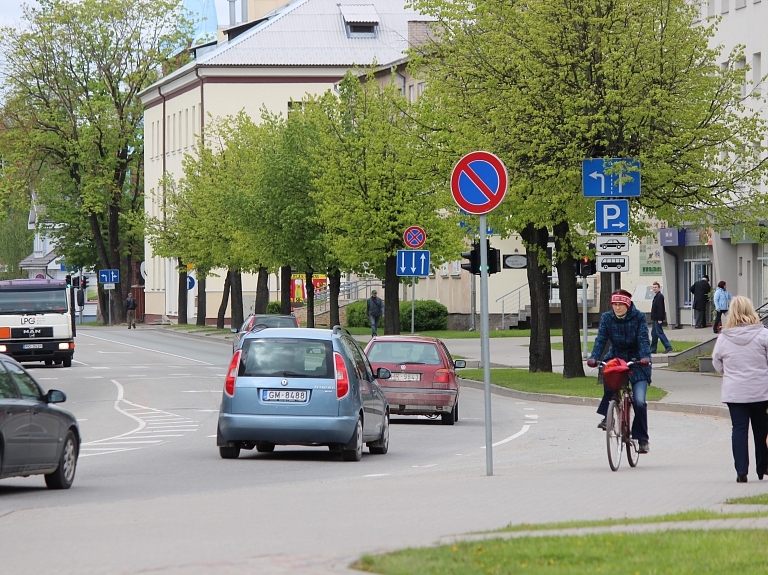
(413, 263)
(109, 276)
(611, 216)
(624, 183)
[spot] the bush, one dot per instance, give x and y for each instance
(428, 315)
(273, 307)
(356, 316)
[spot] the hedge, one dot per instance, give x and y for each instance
(273, 307)
(428, 315)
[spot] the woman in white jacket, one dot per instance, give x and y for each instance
(741, 355)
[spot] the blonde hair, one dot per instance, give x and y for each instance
(741, 312)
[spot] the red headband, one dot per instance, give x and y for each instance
(619, 298)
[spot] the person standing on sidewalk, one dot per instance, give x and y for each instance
(627, 329)
(658, 315)
(374, 311)
(722, 301)
(741, 355)
(130, 306)
(700, 291)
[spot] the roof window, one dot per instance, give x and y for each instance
(360, 20)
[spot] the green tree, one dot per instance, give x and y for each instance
(73, 120)
(16, 241)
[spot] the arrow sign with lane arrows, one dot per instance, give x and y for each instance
(413, 263)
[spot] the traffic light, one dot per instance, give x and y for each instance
(473, 256)
(494, 260)
(587, 266)
(76, 282)
(68, 279)
(84, 282)
(80, 298)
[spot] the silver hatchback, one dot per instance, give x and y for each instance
(302, 387)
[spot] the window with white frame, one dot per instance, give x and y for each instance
(456, 268)
(725, 6)
(741, 4)
(444, 269)
(757, 73)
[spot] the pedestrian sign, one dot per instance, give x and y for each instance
(415, 237)
(412, 263)
(623, 183)
(109, 276)
(479, 182)
(611, 216)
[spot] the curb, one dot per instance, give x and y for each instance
(192, 335)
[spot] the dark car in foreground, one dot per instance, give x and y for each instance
(255, 321)
(422, 375)
(36, 436)
(302, 386)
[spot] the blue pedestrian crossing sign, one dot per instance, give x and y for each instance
(109, 276)
(624, 182)
(611, 216)
(412, 263)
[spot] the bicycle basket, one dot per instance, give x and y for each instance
(615, 374)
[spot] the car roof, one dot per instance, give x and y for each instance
(272, 315)
(292, 332)
(406, 338)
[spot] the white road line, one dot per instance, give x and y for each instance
(93, 377)
(113, 352)
(376, 475)
(531, 416)
(529, 408)
(44, 378)
(525, 428)
(147, 349)
(125, 443)
(425, 466)
(107, 452)
(210, 436)
(176, 435)
(80, 362)
(99, 367)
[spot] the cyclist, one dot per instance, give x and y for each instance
(627, 329)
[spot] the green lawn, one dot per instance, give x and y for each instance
(761, 499)
(677, 345)
(675, 552)
(523, 380)
(452, 334)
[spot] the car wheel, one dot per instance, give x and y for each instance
(381, 446)
(353, 451)
(48, 362)
(265, 447)
(227, 452)
(64, 475)
(448, 418)
(456, 410)
(67, 362)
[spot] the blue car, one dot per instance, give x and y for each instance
(302, 387)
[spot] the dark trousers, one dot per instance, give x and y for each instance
(701, 317)
(640, 424)
(741, 415)
(718, 320)
(374, 319)
(657, 334)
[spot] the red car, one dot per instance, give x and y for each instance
(423, 380)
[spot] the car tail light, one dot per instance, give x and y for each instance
(442, 376)
(342, 377)
(298, 323)
(234, 365)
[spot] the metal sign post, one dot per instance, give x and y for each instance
(585, 351)
(413, 302)
(485, 352)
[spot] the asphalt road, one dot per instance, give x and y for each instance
(152, 495)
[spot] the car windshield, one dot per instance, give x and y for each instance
(404, 352)
(33, 301)
(274, 321)
(282, 357)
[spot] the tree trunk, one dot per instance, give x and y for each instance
(540, 349)
(103, 304)
(224, 301)
(391, 297)
(569, 310)
(285, 290)
(262, 291)
(310, 299)
(334, 289)
(237, 299)
(605, 289)
(182, 293)
(202, 304)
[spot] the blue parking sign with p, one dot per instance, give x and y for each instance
(611, 216)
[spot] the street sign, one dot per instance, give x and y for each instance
(613, 263)
(108, 287)
(415, 237)
(190, 282)
(412, 263)
(479, 182)
(612, 244)
(109, 276)
(515, 262)
(623, 183)
(611, 216)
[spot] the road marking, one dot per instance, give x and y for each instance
(93, 377)
(113, 352)
(529, 409)
(147, 349)
(202, 391)
(525, 428)
(80, 362)
(521, 402)
(531, 416)
(425, 466)
(44, 378)
(374, 474)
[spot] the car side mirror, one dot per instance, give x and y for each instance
(383, 373)
(459, 364)
(55, 396)
(233, 329)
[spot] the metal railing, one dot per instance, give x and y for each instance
(349, 292)
(513, 302)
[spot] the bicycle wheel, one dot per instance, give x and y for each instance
(632, 454)
(613, 435)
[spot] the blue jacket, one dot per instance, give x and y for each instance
(629, 340)
(722, 299)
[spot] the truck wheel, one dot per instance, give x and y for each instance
(48, 362)
(67, 362)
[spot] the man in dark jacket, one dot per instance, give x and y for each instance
(374, 311)
(658, 315)
(130, 306)
(700, 291)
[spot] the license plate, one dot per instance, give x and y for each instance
(32, 346)
(405, 377)
(284, 395)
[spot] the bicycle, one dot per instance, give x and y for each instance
(618, 421)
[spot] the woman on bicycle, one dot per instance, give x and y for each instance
(627, 329)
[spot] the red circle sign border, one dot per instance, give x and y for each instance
(415, 229)
(494, 202)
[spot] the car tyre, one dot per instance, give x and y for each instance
(381, 446)
(67, 362)
(456, 410)
(265, 447)
(449, 418)
(228, 452)
(64, 475)
(48, 362)
(353, 451)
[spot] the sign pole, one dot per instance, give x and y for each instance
(109, 306)
(585, 352)
(484, 344)
(413, 301)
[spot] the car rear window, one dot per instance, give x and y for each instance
(282, 357)
(404, 352)
(275, 321)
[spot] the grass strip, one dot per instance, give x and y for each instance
(752, 500)
(452, 334)
(677, 345)
(679, 552)
(553, 383)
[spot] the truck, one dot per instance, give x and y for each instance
(37, 321)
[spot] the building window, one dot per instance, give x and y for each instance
(711, 8)
(741, 4)
(757, 73)
(456, 268)
(360, 20)
(741, 65)
(411, 93)
(294, 106)
(186, 128)
(725, 7)
(422, 86)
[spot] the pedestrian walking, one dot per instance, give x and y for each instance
(374, 311)
(658, 315)
(130, 306)
(700, 291)
(741, 355)
(722, 301)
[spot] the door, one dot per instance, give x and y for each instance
(43, 422)
(368, 392)
(14, 425)
(693, 271)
